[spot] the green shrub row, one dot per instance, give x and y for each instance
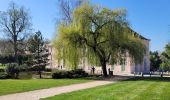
(4, 76)
(78, 73)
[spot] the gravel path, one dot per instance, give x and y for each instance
(37, 94)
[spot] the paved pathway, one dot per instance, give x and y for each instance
(37, 94)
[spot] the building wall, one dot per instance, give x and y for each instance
(53, 62)
(129, 67)
(51, 57)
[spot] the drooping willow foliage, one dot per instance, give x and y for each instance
(98, 34)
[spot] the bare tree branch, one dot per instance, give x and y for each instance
(15, 23)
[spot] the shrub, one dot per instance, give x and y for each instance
(78, 73)
(12, 70)
(25, 75)
(1, 70)
(59, 74)
(48, 70)
(4, 76)
(38, 68)
(24, 68)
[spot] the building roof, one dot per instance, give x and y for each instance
(138, 35)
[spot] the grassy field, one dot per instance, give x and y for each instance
(143, 89)
(14, 86)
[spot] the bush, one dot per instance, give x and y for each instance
(24, 68)
(37, 68)
(4, 76)
(60, 74)
(25, 75)
(2, 70)
(12, 70)
(48, 70)
(78, 73)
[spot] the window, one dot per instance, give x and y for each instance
(123, 60)
(123, 63)
(112, 67)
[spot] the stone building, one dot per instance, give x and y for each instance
(127, 67)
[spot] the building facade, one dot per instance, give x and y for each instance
(126, 67)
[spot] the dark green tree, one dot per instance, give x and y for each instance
(37, 47)
(155, 61)
(165, 57)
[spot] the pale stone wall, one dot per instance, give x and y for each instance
(130, 66)
(52, 61)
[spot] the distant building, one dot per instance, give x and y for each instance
(126, 67)
(5, 47)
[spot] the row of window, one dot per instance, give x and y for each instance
(122, 63)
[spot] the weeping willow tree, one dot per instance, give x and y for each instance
(98, 34)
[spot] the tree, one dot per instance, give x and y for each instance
(165, 57)
(15, 23)
(66, 8)
(37, 47)
(155, 61)
(100, 34)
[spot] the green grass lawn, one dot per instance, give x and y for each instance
(14, 86)
(143, 89)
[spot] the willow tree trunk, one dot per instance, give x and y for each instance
(104, 69)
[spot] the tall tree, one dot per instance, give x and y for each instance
(155, 61)
(15, 23)
(103, 34)
(66, 8)
(37, 47)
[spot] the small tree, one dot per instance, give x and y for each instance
(37, 47)
(12, 70)
(155, 61)
(165, 57)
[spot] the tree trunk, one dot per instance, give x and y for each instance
(15, 49)
(104, 69)
(40, 74)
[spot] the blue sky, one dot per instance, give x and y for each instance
(150, 18)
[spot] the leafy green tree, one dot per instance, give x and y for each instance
(155, 61)
(98, 34)
(165, 57)
(37, 47)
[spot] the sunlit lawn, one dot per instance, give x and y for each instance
(144, 89)
(14, 86)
